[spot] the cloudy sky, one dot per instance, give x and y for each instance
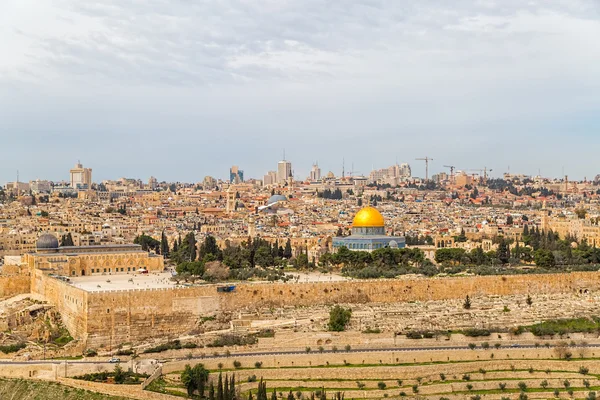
(180, 89)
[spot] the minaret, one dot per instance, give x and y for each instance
(230, 207)
(251, 227)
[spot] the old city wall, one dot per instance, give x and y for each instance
(12, 285)
(71, 302)
(126, 316)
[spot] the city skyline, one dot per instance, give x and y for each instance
(143, 89)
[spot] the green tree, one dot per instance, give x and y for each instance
(287, 252)
(164, 245)
(467, 303)
(339, 317)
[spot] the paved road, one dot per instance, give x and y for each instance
(296, 352)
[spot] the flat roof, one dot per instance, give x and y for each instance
(125, 281)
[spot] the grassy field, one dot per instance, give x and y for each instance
(19, 389)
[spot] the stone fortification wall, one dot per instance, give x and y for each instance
(71, 302)
(126, 316)
(12, 285)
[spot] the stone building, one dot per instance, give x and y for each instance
(90, 260)
(368, 233)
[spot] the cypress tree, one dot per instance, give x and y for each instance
(211, 391)
(274, 394)
(220, 388)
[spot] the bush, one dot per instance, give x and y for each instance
(583, 370)
(252, 378)
(258, 364)
(339, 317)
(174, 345)
(522, 386)
(414, 335)
(474, 332)
(189, 345)
(12, 348)
(381, 385)
(237, 364)
(90, 353)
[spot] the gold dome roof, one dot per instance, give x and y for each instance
(368, 217)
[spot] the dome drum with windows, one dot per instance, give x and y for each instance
(368, 233)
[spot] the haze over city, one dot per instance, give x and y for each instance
(181, 90)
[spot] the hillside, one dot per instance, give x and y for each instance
(18, 389)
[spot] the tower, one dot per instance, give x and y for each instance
(251, 227)
(230, 207)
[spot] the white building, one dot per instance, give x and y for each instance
(284, 171)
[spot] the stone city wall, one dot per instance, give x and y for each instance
(126, 316)
(71, 302)
(111, 318)
(12, 285)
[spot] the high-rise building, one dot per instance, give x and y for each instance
(152, 183)
(270, 178)
(315, 173)
(81, 178)
(236, 175)
(284, 171)
(395, 171)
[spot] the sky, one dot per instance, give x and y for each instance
(181, 89)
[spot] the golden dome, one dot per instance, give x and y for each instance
(368, 217)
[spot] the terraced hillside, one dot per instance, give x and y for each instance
(17, 389)
(473, 375)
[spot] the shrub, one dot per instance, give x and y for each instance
(381, 385)
(502, 386)
(189, 345)
(252, 378)
(482, 371)
(237, 364)
(586, 383)
(402, 394)
(415, 388)
(258, 364)
(174, 345)
(347, 347)
(125, 352)
(583, 370)
(90, 353)
(414, 335)
(469, 387)
(476, 397)
(522, 386)
(12, 348)
(591, 396)
(472, 346)
(475, 332)
(556, 393)
(339, 317)
(307, 349)
(466, 377)
(485, 345)
(544, 384)
(443, 377)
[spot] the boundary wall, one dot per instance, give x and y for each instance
(109, 318)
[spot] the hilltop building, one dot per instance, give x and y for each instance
(81, 178)
(368, 233)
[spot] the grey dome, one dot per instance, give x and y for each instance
(47, 241)
(393, 244)
(275, 198)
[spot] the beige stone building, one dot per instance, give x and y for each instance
(89, 260)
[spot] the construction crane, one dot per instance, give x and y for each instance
(452, 167)
(426, 159)
(483, 172)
